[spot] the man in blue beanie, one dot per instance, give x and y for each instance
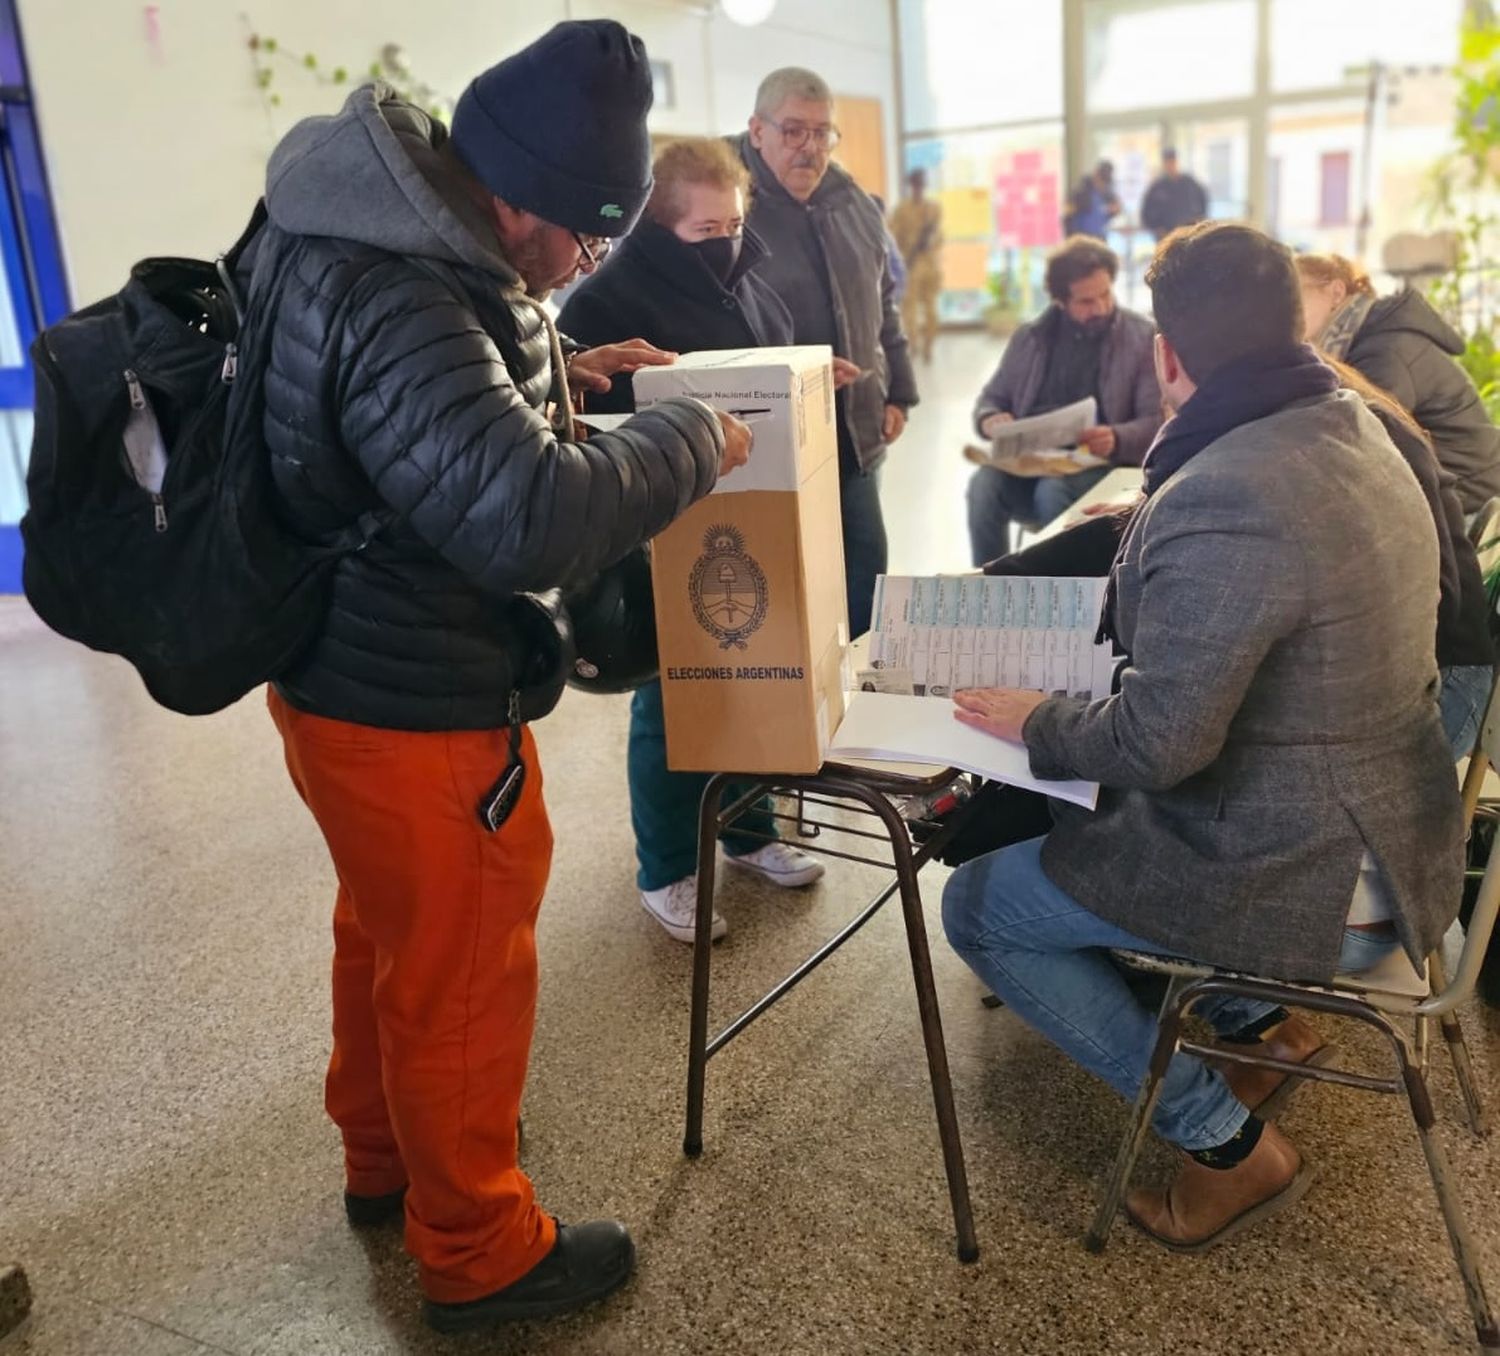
(414, 376)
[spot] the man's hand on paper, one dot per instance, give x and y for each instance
(846, 373)
(1113, 506)
(737, 441)
(994, 422)
(895, 422)
(1099, 440)
(998, 711)
(591, 369)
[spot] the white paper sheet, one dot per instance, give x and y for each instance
(1053, 435)
(881, 725)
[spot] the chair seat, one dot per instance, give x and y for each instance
(1394, 977)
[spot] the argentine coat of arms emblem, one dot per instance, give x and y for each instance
(729, 591)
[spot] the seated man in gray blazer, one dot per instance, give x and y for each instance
(1278, 796)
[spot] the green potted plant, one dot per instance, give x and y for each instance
(1466, 198)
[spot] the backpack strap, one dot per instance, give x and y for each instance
(227, 262)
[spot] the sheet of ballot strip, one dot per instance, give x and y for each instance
(950, 632)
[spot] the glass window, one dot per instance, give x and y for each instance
(967, 64)
(1333, 179)
(1191, 51)
(1002, 197)
(1319, 44)
(1317, 150)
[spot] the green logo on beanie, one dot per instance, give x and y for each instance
(611, 209)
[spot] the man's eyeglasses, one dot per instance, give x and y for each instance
(796, 135)
(594, 248)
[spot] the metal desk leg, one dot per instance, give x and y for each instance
(932, 1028)
(708, 854)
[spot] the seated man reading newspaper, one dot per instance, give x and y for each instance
(1277, 794)
(1084, 351)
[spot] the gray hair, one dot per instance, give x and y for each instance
(790, 82)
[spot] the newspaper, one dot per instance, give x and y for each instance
(1046, 444)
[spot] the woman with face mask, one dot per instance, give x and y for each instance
(685, 279)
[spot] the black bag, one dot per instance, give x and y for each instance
(152, 530)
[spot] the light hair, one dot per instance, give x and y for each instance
(1323, 269)
(790, 82)
(693, 160)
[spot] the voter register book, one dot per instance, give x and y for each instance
(936, 636)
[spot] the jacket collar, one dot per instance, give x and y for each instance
(681, 265)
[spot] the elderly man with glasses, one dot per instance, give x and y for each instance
(828, 264)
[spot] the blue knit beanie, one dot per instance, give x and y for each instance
(559, 129)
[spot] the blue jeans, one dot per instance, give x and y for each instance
(664, 804)
(865, 546)
(1461, 699)
(997, 498)
(1045, 955)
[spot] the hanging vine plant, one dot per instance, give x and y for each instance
(272, 61)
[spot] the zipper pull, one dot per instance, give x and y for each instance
(159, 510)
(231, 364)
(133, 385)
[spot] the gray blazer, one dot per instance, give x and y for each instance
(1277, 711)
(1128, 389)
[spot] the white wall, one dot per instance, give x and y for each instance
(156, 136)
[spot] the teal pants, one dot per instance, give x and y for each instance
(664, 805)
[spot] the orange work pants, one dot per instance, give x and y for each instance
(434, 983)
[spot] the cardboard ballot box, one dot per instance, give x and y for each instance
(750, 611)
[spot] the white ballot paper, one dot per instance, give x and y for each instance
(956, 631)
(1046, 444)
(952, 632)
(889, 728)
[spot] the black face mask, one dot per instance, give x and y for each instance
(721, 253)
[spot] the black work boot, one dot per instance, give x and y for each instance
(587, 1262)
(366, 1212)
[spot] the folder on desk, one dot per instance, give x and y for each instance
(885, 726)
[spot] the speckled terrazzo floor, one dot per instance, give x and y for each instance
(170, 1184)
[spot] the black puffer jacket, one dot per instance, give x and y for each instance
(1407, 348)
(409, 375)
(657, 288)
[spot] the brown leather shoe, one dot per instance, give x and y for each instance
(1205, 1206)
(1264, 1091)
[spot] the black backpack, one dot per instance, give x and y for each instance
(152, 531)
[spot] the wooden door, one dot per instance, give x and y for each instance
(861, 150)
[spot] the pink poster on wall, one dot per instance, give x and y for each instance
(1028, 208)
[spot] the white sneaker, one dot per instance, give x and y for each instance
(675, 907)
(781, 864)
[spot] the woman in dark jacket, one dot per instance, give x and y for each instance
(1406, 348)
(684, 280)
